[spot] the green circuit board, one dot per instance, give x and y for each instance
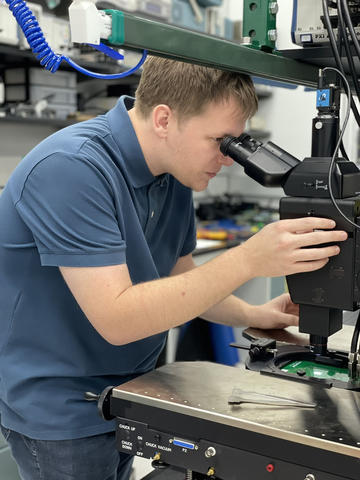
(316, 370)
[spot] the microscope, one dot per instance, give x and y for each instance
(319, 186)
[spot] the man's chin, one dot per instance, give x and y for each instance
(196, 186)
(200, 186)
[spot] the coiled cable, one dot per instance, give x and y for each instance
(44, 53)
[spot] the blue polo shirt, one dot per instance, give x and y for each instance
(84, 197)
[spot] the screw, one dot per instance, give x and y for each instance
(273, 8)
(309, 476)
(272, 35)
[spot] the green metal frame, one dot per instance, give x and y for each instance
(177, 43)
(259, 23)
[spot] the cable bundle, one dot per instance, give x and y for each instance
(33, 33)
(341, 46)
(48, 58)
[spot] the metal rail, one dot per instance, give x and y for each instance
(189, 46)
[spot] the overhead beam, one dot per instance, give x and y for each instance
(177, 43)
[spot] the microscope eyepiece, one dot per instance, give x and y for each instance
(267, 163)
(224, 145)
(239, 148)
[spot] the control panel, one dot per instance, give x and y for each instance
(209, 458)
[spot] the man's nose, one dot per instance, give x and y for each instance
(225, 160)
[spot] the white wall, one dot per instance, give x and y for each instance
(288, 114)
(233, 9)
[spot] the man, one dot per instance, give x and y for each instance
(96, 265)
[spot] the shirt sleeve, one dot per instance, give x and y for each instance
(190, 239)
(68, 205)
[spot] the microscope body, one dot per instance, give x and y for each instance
(325, 293)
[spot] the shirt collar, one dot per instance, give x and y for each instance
(125, 137)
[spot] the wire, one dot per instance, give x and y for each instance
(350, 26)
(110, 52)
(337, 56)
(331, 35)
(331, 168)
(344, 35)
(340, 37)
(356, 335)
(48, 58)
(343, 151)
(340, 43)
(104, 75)
(342, 28)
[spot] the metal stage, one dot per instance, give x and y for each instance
(180, 416)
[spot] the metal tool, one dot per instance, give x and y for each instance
(239, 396)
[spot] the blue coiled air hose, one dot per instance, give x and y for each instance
(48, 58)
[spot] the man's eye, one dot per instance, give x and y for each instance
(219, 139)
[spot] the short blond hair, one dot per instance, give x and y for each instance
(188, 89)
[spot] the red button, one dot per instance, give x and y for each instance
(270, 467)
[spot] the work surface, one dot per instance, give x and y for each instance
(202, 390)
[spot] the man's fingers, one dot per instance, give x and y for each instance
(306, 224)
(320, 237)
(301, 267)
(310, 254)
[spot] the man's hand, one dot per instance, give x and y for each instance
(280, 312)
(278, 249)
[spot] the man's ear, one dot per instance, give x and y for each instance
(162, 115)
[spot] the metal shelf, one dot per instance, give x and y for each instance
(56, 123)
(15, 57)
(185, 45)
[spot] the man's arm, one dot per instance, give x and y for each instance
(123, 313)
(232, 311)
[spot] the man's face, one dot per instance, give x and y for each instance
(194, 143)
